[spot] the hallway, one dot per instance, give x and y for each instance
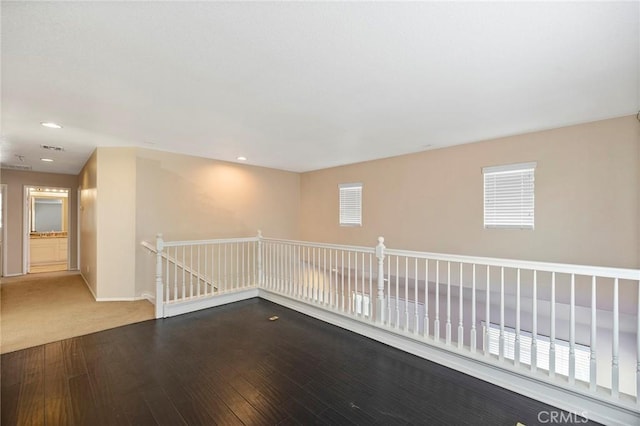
(43, 308)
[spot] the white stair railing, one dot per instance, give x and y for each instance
(533, 318)
(187, 270)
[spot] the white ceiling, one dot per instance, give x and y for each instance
(303, 85)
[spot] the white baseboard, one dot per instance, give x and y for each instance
(148, 296)
(12, 275)
(578, 403)
(88, 286)
(120, 299)
(183, 307)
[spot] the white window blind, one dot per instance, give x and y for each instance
(543, 349)
(350, 204)
(509, 196)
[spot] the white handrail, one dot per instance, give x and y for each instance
(360, 249)
(214, 241)
(566, 268)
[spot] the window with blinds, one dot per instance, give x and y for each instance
(350, 204)
(543, 349)
(509, 196)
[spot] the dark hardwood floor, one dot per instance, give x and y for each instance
(231, 365)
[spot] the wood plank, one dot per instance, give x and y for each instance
(230, 365)
(58, 408)
(162, 408)
(30, 407)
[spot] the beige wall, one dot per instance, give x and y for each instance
(587, 207)
(107, 203)
(129, 195)
(15, 181)
(116, 222)
(188, 197)
(88, 181)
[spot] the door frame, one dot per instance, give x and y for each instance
(26, 224)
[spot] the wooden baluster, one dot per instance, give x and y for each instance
(406, 293)
(426, 299)
(226, 276)
(448, 324)
(388, 319)
(371, 287)
(516, 343)
(397, 323)
(184, 267)
(206, 269)
(159, 308)
(472, 335)
(416, 319)
(501, 338)
(324, 277)
(301, 274)
(460, 314)
(615, 372)
(198, 273)
(487, 315)
(330, 274)
(355, 284)
(342, 279)
(436, 321)
(593, 365)
(552, 335)
(175, 274)
(638, 344)
(572, 331)
(362, 278)
(349, 295)
(288, 266)
(337, 299)
(316, 271)
(534, 322)
(191, 270)
(307, 275)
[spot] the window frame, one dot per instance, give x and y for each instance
(501, 207)
(346, 218)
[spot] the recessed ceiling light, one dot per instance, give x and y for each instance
(48, 160)
(241, 158)
(51, 125)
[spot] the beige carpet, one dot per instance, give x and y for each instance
(44, 308)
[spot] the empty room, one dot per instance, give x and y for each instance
(320, 212)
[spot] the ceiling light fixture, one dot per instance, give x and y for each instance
(47, 160)
(241, 158)
(51, 125)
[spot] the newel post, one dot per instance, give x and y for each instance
(260, 271)
(380, 299)
(159, 285)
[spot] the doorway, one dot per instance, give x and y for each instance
(46, 229)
